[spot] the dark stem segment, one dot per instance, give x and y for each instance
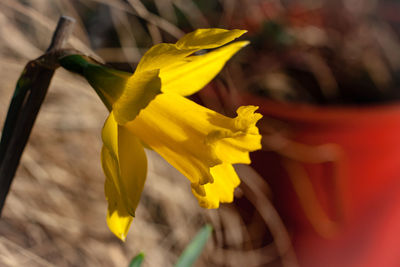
(61, 33)
(28, 97)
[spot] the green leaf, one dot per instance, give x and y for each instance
(194, 249)
(137, 260)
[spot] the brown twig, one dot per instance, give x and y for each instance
(25, 105)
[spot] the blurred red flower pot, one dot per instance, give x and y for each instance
(335, 179)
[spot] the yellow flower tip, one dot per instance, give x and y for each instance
(243, 43)
(208, 38)
(209, 204)
(206, 201)
(122, 237)
(233, 142)
(221, 190)
(119, 222)
(247, 119)
(198, 189)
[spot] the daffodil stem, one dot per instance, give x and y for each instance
(25, 104)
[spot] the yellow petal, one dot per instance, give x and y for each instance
(139, 90)
(221, 190)
(208, 38)
(234, 147)
(193, 138)
(167, 55)
(161, 56)
(118, 219)
(192, 74)
(125, 166)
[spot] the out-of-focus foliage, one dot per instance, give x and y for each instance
(193, 250)
(324, 52)
(137, 260)
(189, 255)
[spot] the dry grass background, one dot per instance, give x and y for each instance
(55, 212)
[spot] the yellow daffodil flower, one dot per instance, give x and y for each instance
(149, 107)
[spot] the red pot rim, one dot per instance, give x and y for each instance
(314, 113)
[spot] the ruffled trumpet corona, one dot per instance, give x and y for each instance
(149, 107)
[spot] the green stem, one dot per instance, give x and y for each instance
(108, 83)
(28, 97)
(14, 109)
